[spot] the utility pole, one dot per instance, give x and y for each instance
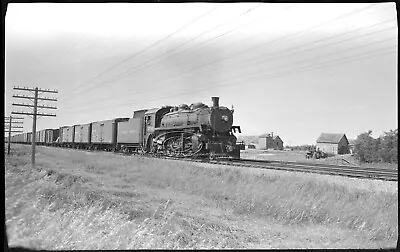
(35, 107)
(10, 129)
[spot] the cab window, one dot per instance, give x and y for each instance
(148, 120)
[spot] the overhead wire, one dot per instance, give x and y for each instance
(279, 39)
(262, 76)
(264, 44)
(334, 53)
(140, 66)
(296, 47)
(326, 38)
(130, 70)
(177, 47)
(271, 77)
(151, 45)
(261, 45)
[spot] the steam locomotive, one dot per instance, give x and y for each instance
(179, 131)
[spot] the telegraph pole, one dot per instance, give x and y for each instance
(10, 129)
(35, 107)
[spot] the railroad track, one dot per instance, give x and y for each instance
(341, 170)
(327, 169)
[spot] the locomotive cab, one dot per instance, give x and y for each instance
(152, 120)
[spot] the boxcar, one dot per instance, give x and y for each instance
(67, 135)
(130, 134)
(25, 138)
(104, 133)
(42, 136)
(37, 136)
(20, 138)
(29, 137)
(83, 135)
(51, 136)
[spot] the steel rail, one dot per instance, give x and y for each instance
(339, 170)
(315, 164)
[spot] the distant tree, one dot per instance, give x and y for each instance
(363, 146)
(382, 149)
(388, 147)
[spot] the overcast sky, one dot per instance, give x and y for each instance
(294, 69)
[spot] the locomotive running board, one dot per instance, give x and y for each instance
(179, 127)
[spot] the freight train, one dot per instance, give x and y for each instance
(178, 131)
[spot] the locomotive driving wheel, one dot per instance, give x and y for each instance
(179, 146)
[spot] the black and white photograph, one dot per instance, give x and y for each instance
(200, 125)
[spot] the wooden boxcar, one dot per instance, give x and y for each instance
(104, 133)
(130, 134)
(29, 137)
(67, 134)
(51, 136)
(41, 137)
(25, 138)
(83, 135)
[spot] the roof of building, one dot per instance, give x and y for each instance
(331, 137)
(269, 135)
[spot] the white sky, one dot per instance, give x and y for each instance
(294, 69)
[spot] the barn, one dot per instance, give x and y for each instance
(335, 143)
(269, 141)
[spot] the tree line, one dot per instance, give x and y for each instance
(373, 150)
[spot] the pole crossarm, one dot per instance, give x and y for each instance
(17, 118)
(26, 113)
(38, 106)
(7, 117)
(15, 127)
(14, 122)
(38, 89)
(33, 98)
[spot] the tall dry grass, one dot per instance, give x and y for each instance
(49, 209)
(74, 212)
(289, 199)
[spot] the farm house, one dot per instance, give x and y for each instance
(269, 141)
(335, 143)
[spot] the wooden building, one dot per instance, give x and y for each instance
(269, 141)
(335, 143)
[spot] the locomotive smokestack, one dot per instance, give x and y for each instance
(215, 101)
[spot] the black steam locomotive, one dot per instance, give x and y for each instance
(193, 130)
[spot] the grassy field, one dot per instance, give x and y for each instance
(82, 200)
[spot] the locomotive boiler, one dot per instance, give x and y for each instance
(196, 130)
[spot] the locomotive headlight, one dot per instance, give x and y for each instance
(225, 118)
